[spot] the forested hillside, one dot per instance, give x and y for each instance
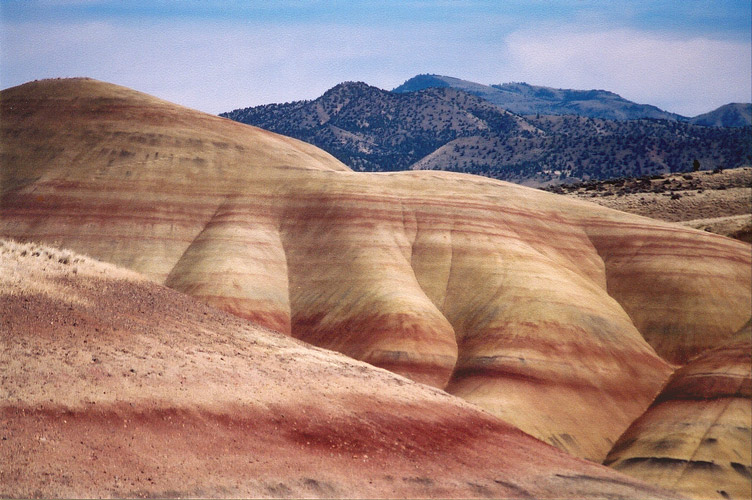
(370, 129)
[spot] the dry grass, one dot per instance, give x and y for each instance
(734, 226)
(718, 202)
(33, 268)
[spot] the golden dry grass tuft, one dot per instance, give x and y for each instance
(29, 268)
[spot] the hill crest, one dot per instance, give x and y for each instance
(734, 114)
(525, 99)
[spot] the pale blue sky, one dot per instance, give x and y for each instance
(686, 56)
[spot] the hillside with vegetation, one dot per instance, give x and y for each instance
(370, 129)
(717, 201)
(525, 99)
(735, 114)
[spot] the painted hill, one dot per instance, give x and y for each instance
(697, 435)
(526, 99)
(731, 115)
(546, 311)
(450, 129)
(114, 386)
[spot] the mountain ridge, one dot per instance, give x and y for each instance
(735, 114)
(354, 111)
(445, 128)
(525, 99)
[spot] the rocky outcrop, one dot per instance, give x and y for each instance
(531, 305)
(113, 386)
(697, 435)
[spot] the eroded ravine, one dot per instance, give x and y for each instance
(546, 311)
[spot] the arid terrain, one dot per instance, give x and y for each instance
(115, 386)
(508, 313)
(718, 201)
(675, 444)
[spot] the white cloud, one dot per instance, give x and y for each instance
(220, 65)
(209, 66)
(687, 76)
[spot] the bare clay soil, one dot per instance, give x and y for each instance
(113, 386)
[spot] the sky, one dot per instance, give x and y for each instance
(684, 56)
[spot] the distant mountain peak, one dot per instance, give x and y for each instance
(735, 114)
(350, 85)
(349, 89)
(525, 99)
(422, 82)
(455, 126)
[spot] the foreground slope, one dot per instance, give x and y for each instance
(697, 435)
(546, 311)
(115, 386)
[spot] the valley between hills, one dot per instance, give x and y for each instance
(195, 307)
